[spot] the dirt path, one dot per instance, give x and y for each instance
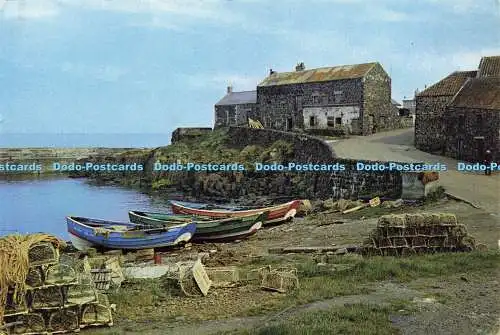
(481, 190)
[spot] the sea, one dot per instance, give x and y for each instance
(41, 203)
(51, 140)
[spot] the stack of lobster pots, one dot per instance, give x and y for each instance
(59, 296)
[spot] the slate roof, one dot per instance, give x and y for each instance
(318, 75)
(237, 98)
(489, 66)
(479, 93)
(448, 85)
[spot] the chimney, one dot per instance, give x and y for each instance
(300, 67)
(229, 89)
(271, 72)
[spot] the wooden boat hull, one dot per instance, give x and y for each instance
(207, 230)
(93, 233)
(276, 214)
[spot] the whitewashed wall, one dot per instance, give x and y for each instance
(347, 113)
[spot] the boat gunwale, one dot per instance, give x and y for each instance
(215, 220)
(164, 230)
(228, 212)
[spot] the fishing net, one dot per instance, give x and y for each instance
(16, 251)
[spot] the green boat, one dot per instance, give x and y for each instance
(207, 229)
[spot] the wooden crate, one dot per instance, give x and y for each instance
(101, 278)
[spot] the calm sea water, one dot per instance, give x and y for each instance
(41, 205)
(84, 140)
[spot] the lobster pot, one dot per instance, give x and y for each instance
(35, 277)
(15, 304)
(47, 297)
(223, 275)
(281, 280)
(43, 253)
(29, 324)
(188, 278)
(60, 274)
(258, 274)
(97, 314)
(101, 278)
(82, 293)
(448, 218)
(79, 265)
(64, 320)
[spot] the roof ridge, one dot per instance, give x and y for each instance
(328, 67)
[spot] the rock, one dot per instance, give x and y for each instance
(213, 251)
(341, 251)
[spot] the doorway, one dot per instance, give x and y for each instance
(289, 124)
(479, 148)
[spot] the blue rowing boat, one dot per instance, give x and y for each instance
(88, 233)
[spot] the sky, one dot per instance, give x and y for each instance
(150, 66)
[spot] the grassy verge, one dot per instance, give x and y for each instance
(149, 300)
(353, 319)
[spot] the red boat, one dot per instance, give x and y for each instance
(276, 214)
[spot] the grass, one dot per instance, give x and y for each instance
(354, 319)
(153, 302)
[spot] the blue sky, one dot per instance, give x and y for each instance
(149, 66)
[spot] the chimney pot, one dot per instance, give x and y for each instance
(229, 89)
(300, 67)
(271, 72)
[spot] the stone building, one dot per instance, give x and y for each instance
(430, 106)
(352, 99)
(472, 120)
(235, 108)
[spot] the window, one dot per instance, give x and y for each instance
(330, 121)
(316, 99)
(339, 96)
(312, 121)
(338, 120)
(289, 123)
(479, 121)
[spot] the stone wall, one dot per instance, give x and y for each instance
(377, 101)
(280, 107)
(429, 127)
(463, 125)
(186, 133)
(250, 185)
(234, 115)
